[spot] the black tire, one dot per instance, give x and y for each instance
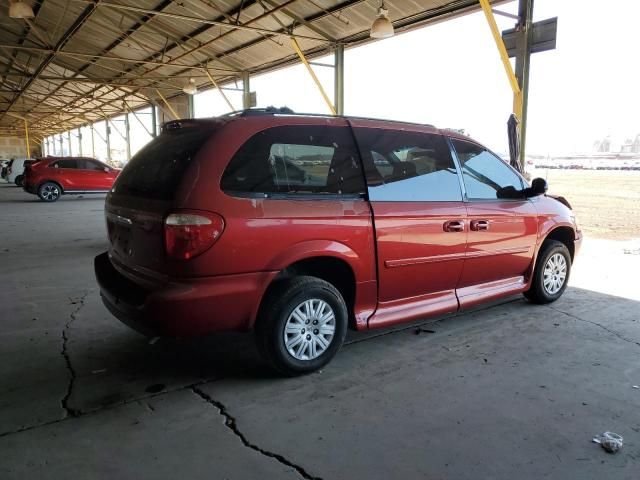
(49, 192)
(282, 299)
(538, 293)
(19, 180)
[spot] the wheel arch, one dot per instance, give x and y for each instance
(564, 234)
(50, 181)
(330, 268)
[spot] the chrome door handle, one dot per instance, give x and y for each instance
(453, 226)
(480, 225)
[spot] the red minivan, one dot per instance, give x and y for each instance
(298, 227)
(54, 176)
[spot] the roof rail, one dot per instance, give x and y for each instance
(259, 111)
(287, 111)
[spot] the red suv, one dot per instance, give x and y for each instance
(299, 227)
(51, 177)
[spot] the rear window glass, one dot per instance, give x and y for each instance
(296, 159)
(156, 170)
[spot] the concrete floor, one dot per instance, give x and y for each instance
(511, 391)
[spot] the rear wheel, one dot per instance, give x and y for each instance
(49, 192)
(19, 180)
(551, 274)
(302, 325)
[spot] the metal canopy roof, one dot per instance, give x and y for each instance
(80, 60)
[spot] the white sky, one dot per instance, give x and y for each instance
(450, 75)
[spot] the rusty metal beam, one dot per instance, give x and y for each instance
(66, 36)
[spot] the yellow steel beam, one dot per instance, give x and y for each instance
(296, 47)
(215, 84)
(26, 136)
(173, 112)
(504, 56)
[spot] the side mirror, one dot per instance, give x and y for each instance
(538, 187)
(107, 169)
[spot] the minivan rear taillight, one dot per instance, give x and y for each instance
(188, 233)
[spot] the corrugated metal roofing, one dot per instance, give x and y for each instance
(78, 60)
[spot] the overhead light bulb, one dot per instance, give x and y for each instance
(382, 26)
(20, 9)
(190, 88)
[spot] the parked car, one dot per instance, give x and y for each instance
(207, 234)
(15, 170)
(4, 165)
(55, 176)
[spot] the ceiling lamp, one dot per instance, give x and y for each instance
(190, 88)
(20, 10)
(382, 27)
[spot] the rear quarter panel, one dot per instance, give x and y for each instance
(266, 234)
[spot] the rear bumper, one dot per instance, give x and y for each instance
(182, 307)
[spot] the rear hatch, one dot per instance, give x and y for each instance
(144, 193)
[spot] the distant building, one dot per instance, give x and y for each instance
(631, 146)
(602, 146)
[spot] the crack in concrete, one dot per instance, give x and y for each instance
(612, 332)
(82, 413)
(64, 402)
(231, 423)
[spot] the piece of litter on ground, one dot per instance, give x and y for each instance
(635, 386)
(423, 330)
(153, 340)
(101, 370)
(611, 442)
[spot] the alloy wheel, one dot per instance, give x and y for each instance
(50, 192)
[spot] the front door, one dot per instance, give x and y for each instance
(419, 218)
(93, 175)
(502, 227)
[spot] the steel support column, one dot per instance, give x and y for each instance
(339, 79)
(154, 121)
(26, 136)
(246, 91)
(93, 141)
(108, 139)
(523, 62)
(69, 143)
(191, 109)
(127, 135)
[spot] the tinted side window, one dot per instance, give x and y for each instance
(485, 175)
(87, 164)
(296, 159)
(66, 164)
(408, 166)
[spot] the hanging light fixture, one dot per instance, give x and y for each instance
(190, 88)
(382, 26)
(20, 9)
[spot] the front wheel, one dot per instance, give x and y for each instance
(551, 273)
(49, 192)
(19, 180)
(302, 325)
